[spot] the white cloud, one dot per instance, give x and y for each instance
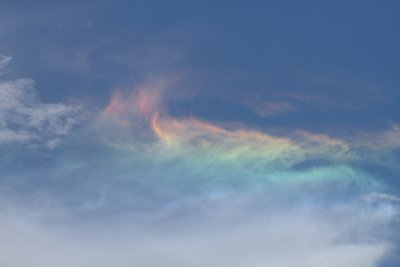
(337, 235)
(4, 61)
(25, 119)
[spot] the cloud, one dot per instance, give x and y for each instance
(227, 231)
(25, 119)
(270, 108)
(386, 140)
(141, 124)
(182, 191)
(4, 61)
(376, 197)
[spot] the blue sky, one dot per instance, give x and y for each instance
(236, 133)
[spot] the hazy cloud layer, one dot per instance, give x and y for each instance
(224, 232)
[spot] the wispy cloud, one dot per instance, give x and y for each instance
(273, 108)
(25, 119)
(4, 61)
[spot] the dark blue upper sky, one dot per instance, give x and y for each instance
(326, 64)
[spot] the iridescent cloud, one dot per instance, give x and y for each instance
(299, 156)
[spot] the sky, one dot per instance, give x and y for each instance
(207, 133)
